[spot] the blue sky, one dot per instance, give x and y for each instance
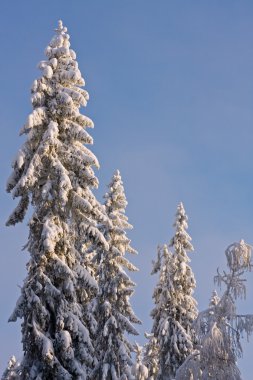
(171, 96)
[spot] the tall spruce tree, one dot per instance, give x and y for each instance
(114, 311)
(53, 171)
(175, 308)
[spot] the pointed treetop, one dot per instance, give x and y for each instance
(181, 206)
(181, 236)
(181, 216)
(116, 198)
(116, 178)
(59, 47)
(117, 174)
(61, 29)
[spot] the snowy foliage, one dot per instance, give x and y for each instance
(75, 301)
(175, 308)
(220, 328)
(114, 312)
(12, 371)
(151, 356)
(139, 370)
(53, 171)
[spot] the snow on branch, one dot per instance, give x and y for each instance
(220, 328)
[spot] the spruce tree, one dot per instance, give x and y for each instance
(175, 308)
(152, 348)
(151, 356)
(53, 172)
(114, 312)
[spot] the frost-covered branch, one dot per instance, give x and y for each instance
(219, 328)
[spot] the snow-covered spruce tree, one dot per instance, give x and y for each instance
(139, 370)
(220, 328)
(151, 356)
(12, 371)
(151, 350)
(114, 312)
(175, 308)
(160, 313)
(53, 171)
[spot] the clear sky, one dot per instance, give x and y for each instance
(171, 96)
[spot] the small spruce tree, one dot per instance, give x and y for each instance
(139, 370)
(151, 356)
(175, 308)
(12, 371)
(53, 171)
(114, 312)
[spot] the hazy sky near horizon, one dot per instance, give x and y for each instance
(171, 96)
